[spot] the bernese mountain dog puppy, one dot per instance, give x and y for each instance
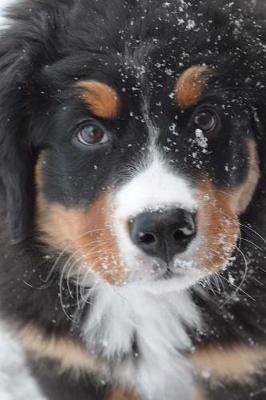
(133, 197)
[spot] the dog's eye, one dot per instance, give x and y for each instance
(207, 120)
(92, 134)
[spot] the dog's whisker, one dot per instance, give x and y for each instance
(61, 294)
(239, 287)
(68, 248)
(77, 275)
(253, 231)
(252, 243)
(67, 277)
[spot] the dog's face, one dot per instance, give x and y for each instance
(146, 185)
(144, 164)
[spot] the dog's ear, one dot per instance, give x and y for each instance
(27, 45)
(16, 177)
(15, 153)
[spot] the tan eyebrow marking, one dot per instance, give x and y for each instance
(102, 100)
(190, 85)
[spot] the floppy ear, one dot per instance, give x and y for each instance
(15, 154)
(16, 175)
(25, 47)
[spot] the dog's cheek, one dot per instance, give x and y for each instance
(244, 195)
(84, 232)
(219, 212)
(218, 226)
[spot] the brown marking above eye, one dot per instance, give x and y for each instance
(101, 99)
(190, 86)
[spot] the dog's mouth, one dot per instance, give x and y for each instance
(168, 274)
(175, 269)
(160, 276)
(170, 279)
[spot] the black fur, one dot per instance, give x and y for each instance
(64, 386)
(48, 48)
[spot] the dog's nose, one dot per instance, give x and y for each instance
(163, 233)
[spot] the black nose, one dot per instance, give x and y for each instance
(163, 233)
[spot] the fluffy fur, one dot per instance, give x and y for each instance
(117, 112)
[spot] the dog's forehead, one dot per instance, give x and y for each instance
(184, 89)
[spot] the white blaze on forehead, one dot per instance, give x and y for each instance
(155, 187)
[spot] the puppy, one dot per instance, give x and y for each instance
(132, 165)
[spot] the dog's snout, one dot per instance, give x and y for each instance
(163, 233)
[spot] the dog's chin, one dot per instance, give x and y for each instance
(155, 278)
(170, 278)
(173, 283)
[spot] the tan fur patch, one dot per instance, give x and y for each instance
(218, 215)
(69, 354)
(101, 99)
(122, 395)
(85, 232)
(218, 226)
(240, 363)
(190, 85)
(200, 394)
(244, 195)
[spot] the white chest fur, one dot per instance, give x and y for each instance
(157, 322)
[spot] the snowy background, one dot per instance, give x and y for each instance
(15, 381)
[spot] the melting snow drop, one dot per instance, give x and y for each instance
(201, 140)
(169, 71)
(231, 279)
(191, 24)
(172, 129)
